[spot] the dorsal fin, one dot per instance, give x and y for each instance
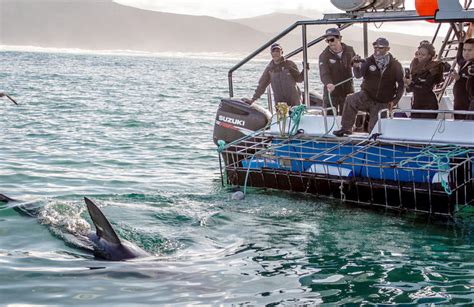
(5, 199)
(103, 228)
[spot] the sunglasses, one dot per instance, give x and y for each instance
(378, 47)
(330, 40)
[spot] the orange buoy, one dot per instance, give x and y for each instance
(426, 7)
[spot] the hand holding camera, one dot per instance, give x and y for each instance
(357, 61)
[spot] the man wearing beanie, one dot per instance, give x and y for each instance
(382, 86)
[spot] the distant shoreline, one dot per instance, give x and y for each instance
(166, 54)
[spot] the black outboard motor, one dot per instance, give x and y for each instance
(236, 119)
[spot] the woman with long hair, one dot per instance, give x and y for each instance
(424, 74)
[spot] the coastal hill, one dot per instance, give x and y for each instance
(105, 25)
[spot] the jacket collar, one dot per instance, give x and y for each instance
(344, 47)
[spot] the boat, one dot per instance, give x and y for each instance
(403, 164)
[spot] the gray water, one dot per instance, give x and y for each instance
(134, 134)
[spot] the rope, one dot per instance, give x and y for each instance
(296, 115)
(222, 148)
(438, 159)
(334, 110)
(220, 145)
(282, 113)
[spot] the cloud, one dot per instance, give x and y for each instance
(228, 8)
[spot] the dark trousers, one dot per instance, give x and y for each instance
(337, 103)
(424, 100)
(360, 101)
(461, 98)
(471, 108)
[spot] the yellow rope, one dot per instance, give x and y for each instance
(282, 114)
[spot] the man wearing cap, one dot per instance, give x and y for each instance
(335, 65)
(382, 86)
(283, 75)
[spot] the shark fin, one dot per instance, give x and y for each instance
(103, 228)
(5, 199)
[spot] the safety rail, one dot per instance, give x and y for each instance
(391, 112)
(347, 21)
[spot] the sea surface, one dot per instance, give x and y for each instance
(134, 134)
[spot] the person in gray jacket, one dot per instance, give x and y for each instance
(382, 87)
(283, 75)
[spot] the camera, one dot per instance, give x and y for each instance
(358, 60)
(470, 70)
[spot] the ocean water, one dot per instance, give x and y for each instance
(133, 133)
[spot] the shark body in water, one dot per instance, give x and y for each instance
(106, 244)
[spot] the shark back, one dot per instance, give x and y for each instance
(6, 199)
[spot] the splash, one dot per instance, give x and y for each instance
(66, 217)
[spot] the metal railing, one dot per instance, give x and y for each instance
(396, 176)
(384, 112)
(342, 23)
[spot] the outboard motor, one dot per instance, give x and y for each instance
(236, 119)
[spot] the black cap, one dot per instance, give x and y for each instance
(381, 42)
(332, 32)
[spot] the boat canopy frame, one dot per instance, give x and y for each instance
(343, 21)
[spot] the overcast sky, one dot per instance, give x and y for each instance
(235, 8)
(229, 9)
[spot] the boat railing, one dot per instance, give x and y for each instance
(390, 112)
(445, 131)
(342, 21)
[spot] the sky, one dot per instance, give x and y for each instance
(232, 9)
(229, 9)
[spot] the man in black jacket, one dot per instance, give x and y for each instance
(382, 86)
(283, 75)
(335, 65)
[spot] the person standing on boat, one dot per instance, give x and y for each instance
(470, 85)
(425, 73)
(381, 88)
(283, 75)
(335, 65)
(465, 60)
(470, 91)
